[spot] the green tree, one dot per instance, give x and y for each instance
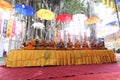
(64, 6)
(73, 7)
(89, 11)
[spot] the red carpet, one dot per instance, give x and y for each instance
(62, 72)
(104, 76)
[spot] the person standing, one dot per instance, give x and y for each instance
(4, 53)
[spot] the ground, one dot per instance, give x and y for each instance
(2, 60)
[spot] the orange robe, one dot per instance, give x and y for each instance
(77, 45)
(33, 42)
(29, 46)
(85, 45)
(70, 45)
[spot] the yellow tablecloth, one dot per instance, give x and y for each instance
(24, 58)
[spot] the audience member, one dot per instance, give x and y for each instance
(4, 53)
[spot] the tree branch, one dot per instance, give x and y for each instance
(45, 3)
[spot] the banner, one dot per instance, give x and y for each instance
(52, 32)
(62, 34)
(68, 34)
(13, 27)
(55, 33)
(109, 3)
(65, 37)
(59, 36)
(23, 29)
(18, 30)
(4, 27)
(85, 36)
(9, 28)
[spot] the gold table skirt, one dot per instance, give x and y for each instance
(24, 58)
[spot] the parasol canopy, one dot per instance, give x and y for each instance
(92, 20)
(45, 14)
(24, 10)
(64, 18)
(38, 25)
(118, 2)
(113, 23)
(4, 5)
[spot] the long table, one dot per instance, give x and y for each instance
(26, 58)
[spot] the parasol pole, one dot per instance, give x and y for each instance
(36, 32)
(116, 8)
(41, 33)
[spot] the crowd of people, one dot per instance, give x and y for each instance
(52, 44)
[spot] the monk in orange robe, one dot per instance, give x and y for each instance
(29, 46)
(69, 44)
(85, 45)
(51, 44)
(60, 45)
(93, 44)
(77, 44)
(24, 44)
(33, 42)
(100, 45)
(42, 43)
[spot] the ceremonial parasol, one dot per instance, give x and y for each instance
(38, 25)
(24, 10)
(118, 3)
(64, 18)
(45, 14)
(92, 20)
(4, 6)
(113, 23)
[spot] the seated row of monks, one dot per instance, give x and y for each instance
(43, 44)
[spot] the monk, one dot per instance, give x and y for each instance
(37, 44)
(33, 42)
(93, 44)
(51, 44)
(69, 44)
(60, 45)
(24, 44)
(77, 44)
(100, 45)
(42, 43)
(85, 45)
(29, 46)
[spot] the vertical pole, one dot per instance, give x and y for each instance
(116, 8)
(13, 2)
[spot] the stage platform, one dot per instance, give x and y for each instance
(27, 58)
